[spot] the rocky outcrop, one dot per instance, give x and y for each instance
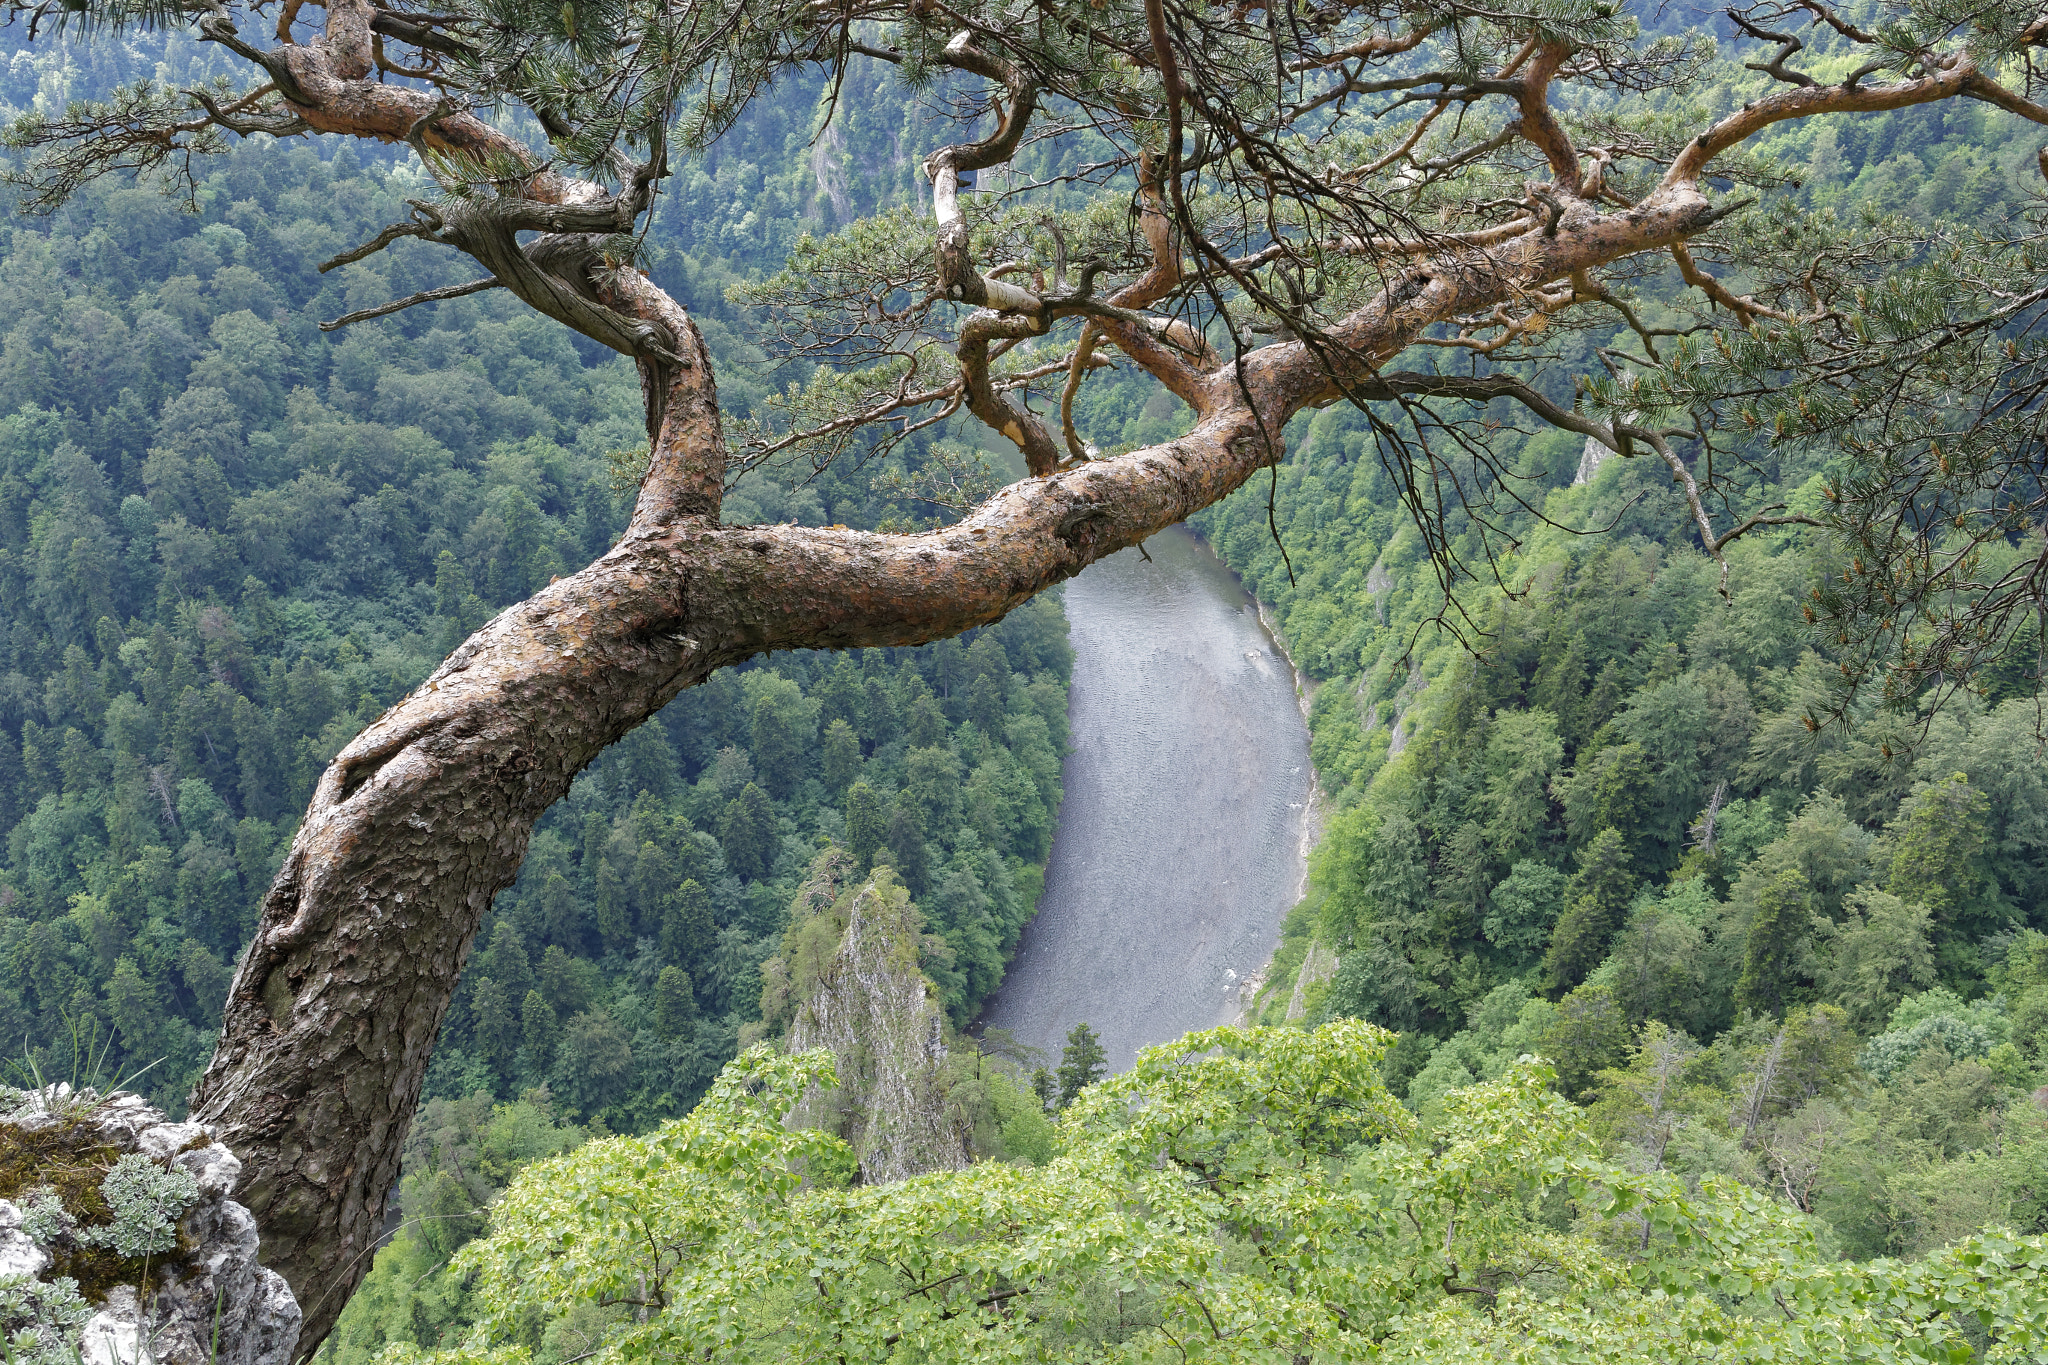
(1316, 969)
(194, 1296)
(869, 1004)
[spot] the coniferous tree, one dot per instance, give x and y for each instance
(1938, 859)
(839, 757)
(839, 696)
(560, 982)
(453, 593)
(778, 756)
(593, 1066)
(133, 1007)
(503, 731)
(256, 755)
(687, 931)
(1589, 1033)
(497, 1026)
(927, 727)
(1773, 957)
(879, 723)
(506, 960)
(654, 884)
(907, 848)
(675, 1003)
(13, 780)
(561, 916)
(539, 1030)
(1595, 903)
(746, 831)
(1082, 1063)
(1523, 907)
(866, 825)
(985, 703)
(613, 911)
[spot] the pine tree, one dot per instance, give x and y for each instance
(1082, 1063)
(496, 1027)
(80, 762)
(133, 1006)
(256, 757)
(907, 848)
(985, 703)
(675, 1003)
(561, 918)
(1596, 903)
(261, 624)
(1588, 1033)
(654, 884)
(747, 833)
(1938, 852)
(778, 756)
(865, 826)
(879, 723)
(560, 982)
(540, 1028)
(1773, 960)
(453, 592)
(507, 961)
(839, 695)
(614, 909)
(927, 723)
(687, 931)
(839, 762)
(13, 781)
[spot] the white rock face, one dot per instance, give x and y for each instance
(215, 1305)
(19, 1255)
(874, 1012)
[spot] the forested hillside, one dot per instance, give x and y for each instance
(1604, 827)
(228, 540)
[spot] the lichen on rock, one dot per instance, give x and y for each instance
(118, 1239)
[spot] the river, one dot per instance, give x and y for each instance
(1181, 839)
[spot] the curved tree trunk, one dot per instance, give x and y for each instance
(424, 817)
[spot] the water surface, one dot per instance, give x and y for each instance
(1179, 846)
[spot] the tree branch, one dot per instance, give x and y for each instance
(1809, 101)
(1540, 125)
(453, 291)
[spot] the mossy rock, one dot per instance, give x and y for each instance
(70, 1155)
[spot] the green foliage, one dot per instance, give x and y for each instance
(1890, 1053)
(1939, 847)
(1082, 1063)
(1772, 951)
(1595, 902)
(1216, 1193)
(1622, 804)
(229, 540)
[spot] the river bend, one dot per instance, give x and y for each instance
(1181, 838)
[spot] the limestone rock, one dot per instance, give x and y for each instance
(19, 1254)
(212, 1303)
(870, 1005)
